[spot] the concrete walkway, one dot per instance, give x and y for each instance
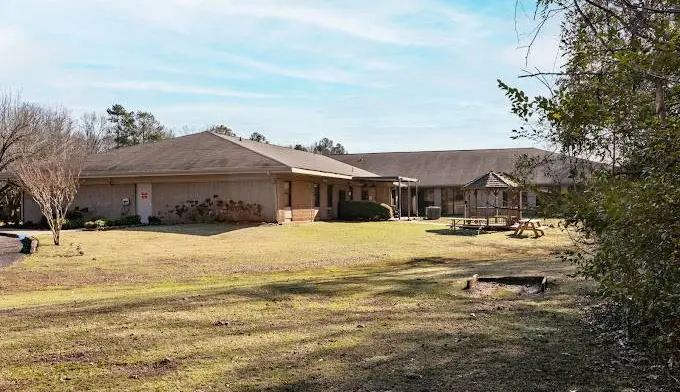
(27, 232)
(9, 251)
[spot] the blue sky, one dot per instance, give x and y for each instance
(380, 75)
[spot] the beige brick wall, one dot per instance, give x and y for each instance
(30, 209)
(106, 200)
(218, 195)
(98, 199)
(303, 202)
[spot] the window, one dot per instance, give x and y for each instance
(287, 194)
(349, 194)
(329, 196)
(317, 195)
(364, 194)
(458, 194)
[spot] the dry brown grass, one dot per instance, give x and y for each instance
(323, 306)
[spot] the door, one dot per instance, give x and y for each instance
(143, 202)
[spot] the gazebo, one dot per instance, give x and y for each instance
(495, 197)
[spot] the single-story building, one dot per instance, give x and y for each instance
(443, 174)
(208, 176)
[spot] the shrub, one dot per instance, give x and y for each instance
(364, 211)
(95, 224)
(74, 215)
(129, 220)
(78, 223)
(154, 220)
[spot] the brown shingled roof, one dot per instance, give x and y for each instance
(207, 152)
(449, 168)
(491, 180)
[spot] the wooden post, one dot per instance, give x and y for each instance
(520, 204)
(399, 198)
(495, 194)
(417, 201)
(408, 192)
(476, 202)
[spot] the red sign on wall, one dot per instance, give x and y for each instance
(144, 195)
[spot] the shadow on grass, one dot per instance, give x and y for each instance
(522, 236)
(197, 229)
(457, 232)
(337, 333)
(408, 279)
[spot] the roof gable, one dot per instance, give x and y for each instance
(491, 180)
(207, 152)
(300, 159)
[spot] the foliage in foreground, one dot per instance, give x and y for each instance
(618, 102)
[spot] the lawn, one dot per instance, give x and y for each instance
(303, 307)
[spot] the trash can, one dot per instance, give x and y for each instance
(26, 244)
(433, 212)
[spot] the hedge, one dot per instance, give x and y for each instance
(364, 211)
(100, 222)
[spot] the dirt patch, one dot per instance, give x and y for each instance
(65, 357)
(506, 286)
(153, 369)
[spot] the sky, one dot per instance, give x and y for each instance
(379, 75)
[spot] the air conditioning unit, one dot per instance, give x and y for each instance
(433, 212)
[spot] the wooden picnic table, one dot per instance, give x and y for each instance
(532, 225)
(479, 223)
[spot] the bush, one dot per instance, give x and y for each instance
(129, 220)
(74, 215)
(100, 222)
(364, 211)
(95, 224)
(154, 220)
(73, 224)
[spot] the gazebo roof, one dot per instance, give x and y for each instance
(491, 180)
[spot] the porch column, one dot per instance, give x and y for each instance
(409, 200)
(417, 201)
(398, 193)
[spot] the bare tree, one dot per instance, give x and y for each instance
(16, 120)
(95, 130)
(51, 174)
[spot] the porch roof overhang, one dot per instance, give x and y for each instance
(386, 179)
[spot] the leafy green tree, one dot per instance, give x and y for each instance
(221, 129)
(148, 129)
(128, 128)
(122, 127)
(300, 147)
(326, 146)
(258, 137)
(617, 100)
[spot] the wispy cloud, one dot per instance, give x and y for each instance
(329, 74)
(164, 87)
(372, 74)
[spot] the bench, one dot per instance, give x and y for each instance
(531, 224)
